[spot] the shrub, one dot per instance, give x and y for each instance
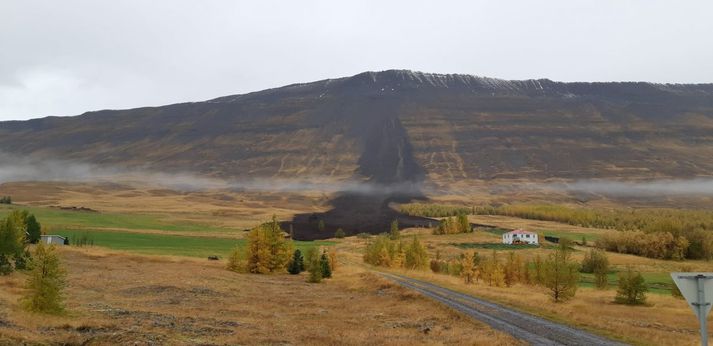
(632, 288)
(45, 283)
(5, 265)
(236, 260)
(339, 233)
(5, 200)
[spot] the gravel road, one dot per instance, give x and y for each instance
(532, 329)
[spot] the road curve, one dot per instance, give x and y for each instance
(532, 329)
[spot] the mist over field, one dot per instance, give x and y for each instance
(695, 186)
(15, 169)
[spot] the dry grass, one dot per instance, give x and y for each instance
(665, 321)
(236, 210)
(118, 298)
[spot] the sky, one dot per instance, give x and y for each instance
(67, 57)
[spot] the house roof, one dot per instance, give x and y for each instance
(52, 235)
(520, 231)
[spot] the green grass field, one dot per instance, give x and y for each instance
(59, 219)
(162, 244)
(494, 246)
(659, 283)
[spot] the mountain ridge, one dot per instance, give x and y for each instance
(399, 125)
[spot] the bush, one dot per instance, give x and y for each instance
(5, 200)
(632, 288)
(339, 233)
(236, 261)
(5, 265)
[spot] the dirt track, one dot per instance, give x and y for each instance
(529, 328)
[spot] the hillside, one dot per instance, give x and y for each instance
(395, 126)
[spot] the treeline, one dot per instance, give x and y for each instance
(655, 233)
(386, 251)
(5, 200)
(451, 225)
(17, 230)
(433, 210)
(269, 251)
(557, 272)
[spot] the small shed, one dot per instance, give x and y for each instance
(53, 239)
(520, 236)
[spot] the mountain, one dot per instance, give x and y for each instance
(400, 126)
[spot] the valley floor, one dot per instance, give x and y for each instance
(119, 298)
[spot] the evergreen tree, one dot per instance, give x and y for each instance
(325, 266)
(320, 226)
(46, 282)
(394, 233)
(33, 229)
(632, 288)
(560, 274)
(297, 264)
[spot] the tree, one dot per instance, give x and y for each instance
(394, 233)
(313, 265)
(268, 250)
(469, 269)
(236, 260)
(12, 240)
(325, 266)
(339, 233)
(513, 269)
(416, 255)
(33, 229)
(297, 264)
(560, 274)
(595, 261)
(46, 282)
(463, 224)
(632, 288)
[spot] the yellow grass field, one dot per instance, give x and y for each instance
(119, 298)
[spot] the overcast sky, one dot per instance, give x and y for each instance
(67, 57)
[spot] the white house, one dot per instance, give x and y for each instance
(520, 236)
(52, 239)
